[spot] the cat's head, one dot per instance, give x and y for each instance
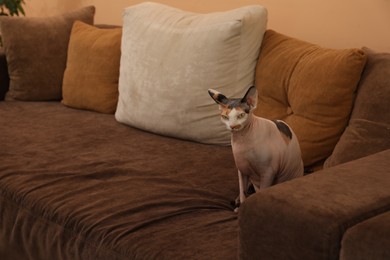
(235, 111)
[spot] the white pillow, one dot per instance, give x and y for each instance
(170, 58)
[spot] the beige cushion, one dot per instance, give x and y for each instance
(36, 49)
(368, 131)
(170, 58)
(309, 87)
(92, 70)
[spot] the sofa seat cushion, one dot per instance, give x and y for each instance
(369, 239)
(92, 71)
(170, 58)
(368, 131)
(76, 184)
(309, 87)
(36, 50)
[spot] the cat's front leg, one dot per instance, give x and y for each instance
(267, 178)
(243, 186)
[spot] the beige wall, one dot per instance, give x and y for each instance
(331, 23)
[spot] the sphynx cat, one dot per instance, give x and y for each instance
(266, 152)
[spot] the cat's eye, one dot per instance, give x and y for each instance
(241, 115)
(225, 117)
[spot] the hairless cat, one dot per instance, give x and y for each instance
(266, 152)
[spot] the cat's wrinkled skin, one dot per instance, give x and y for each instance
(266, 152)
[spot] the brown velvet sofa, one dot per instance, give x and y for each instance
(76, 184)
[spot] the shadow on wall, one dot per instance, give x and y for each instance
(50, 7)
(331, 24)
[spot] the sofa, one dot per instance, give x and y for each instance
(99, 159)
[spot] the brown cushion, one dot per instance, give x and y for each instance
(368, 131)
(36, 51)
(309, 87)
(92, 70)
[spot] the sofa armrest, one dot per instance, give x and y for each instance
(4, 78)
(306, 218)
(368, 240)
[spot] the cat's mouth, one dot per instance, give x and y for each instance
(235, 128)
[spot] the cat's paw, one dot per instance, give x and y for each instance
(235, 203)
(236, 210)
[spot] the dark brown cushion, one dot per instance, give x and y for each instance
(310, 87)
(76, 184)
(368, 131)
(92, 70)
(36, 50)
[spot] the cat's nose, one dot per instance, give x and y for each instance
(235, 127)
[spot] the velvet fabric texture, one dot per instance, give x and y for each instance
(36, 50)
(311, 88)
(170, 58)
(76, 184)
(368, 240)
(92, 70)
(368, 131)
(306, 218)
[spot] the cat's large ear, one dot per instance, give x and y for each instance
(218, 97)
(250, 97)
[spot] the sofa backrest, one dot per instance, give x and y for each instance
(286, 107)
